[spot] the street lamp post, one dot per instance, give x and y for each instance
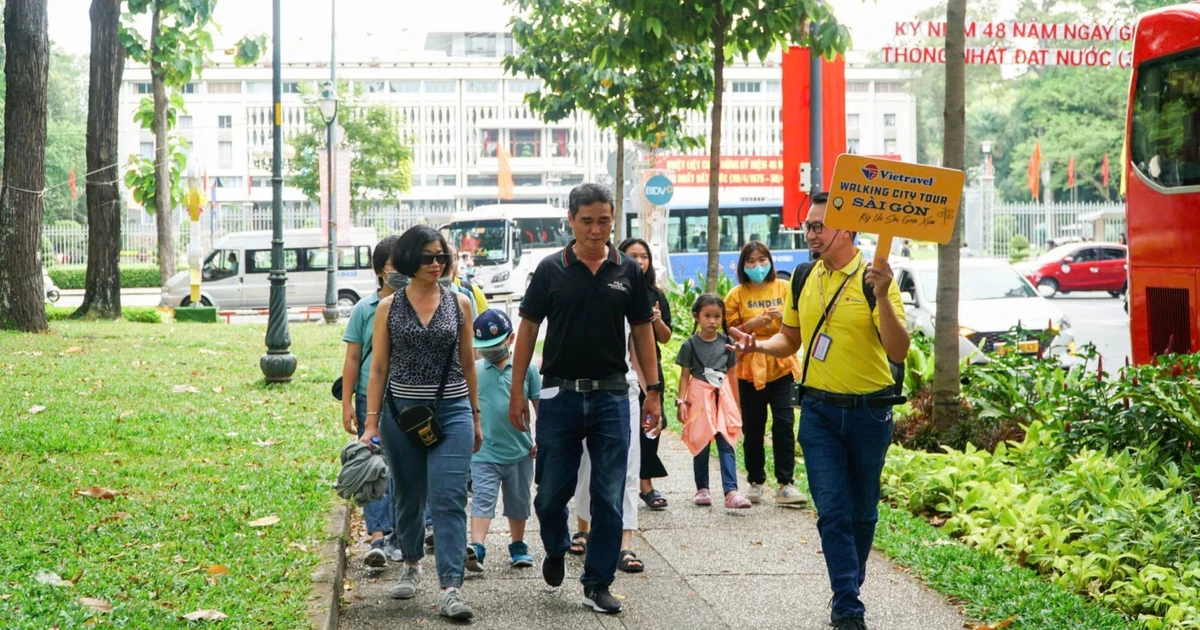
(329, 110)
(328, 104)
(278, 364)
(987, 184)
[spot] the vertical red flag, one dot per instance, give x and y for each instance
(1104, 170)
(1033, 173)
(74, 196)
(1071, 172)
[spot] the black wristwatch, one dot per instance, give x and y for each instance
(656, 387)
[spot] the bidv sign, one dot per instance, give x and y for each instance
(659, 190)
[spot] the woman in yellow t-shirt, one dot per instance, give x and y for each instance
(755, 305)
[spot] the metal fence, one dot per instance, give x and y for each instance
(992, 230)
(65, 243)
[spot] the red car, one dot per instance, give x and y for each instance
(1080, 267)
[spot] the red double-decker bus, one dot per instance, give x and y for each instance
(1163, 190)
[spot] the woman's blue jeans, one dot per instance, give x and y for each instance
(438, 475)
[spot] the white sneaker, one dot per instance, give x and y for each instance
(406, 588)
(755, 493)
(452, 605)
(789, 495)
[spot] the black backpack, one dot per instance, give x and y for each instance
(800, 276)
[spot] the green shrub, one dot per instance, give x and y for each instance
(58, 313)
(1018, 249)
(1121, 528)
(142, 315)
(74, 277)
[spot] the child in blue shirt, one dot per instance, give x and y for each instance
(505, 461)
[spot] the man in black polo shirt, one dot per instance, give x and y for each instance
(587, 291)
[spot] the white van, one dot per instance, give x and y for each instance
(507, 241)
(235, 275)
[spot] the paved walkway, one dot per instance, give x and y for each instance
(706, 568)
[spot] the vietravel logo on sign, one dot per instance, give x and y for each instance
(872, 171)
(659, 190)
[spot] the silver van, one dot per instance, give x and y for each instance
(235, 274)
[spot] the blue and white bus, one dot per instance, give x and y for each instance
(740, 222)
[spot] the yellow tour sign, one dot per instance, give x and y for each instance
(891, 199)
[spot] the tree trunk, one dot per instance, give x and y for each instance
(619, 193)
(27, 65)
(164, 212)
(714, 166)
(946, 377)
(102, 297)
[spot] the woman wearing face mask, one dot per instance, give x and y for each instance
(423, 357)
(357, 369)
(755, 306)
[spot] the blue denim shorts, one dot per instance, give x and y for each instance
(489, 480)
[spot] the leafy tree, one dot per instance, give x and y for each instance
(620, 71)
(734, 28)
(176, 52)
(102, 288)
(1018, 249)
(381, 166)
(947, 381)
(26, 62)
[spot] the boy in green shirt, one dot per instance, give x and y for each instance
(505, 461)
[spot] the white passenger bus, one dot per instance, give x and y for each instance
(506, 242)
(235, 275)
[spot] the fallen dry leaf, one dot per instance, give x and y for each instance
(265, 443)
(998, 626)
(36, 409)
(181, 389)
(97, 492)
(207, 351)
(205, 615)
(264, 522)
(50, 578)
(218, 569)
(218, 389)
(118, 516)
(73, 350)
(98, 605)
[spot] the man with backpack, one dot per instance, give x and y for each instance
(847, 315)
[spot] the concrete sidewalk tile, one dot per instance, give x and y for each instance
(768, 603)
(757, 552)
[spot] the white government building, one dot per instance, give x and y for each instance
(456, 105)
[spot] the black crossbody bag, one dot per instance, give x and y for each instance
(336, 390)
(420, 423)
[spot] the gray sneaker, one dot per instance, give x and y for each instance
(406, 588)
(453, 606)
(755, 493)
(377, 557)
(789, 495)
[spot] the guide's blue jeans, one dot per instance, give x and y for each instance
(844, 451)
(380, 515)
(437, 475)
(565, 420)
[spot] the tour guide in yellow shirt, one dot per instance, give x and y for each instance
(845, 414)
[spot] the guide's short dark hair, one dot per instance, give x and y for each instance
(382, 254)
(588, 194)
(819, 198)
(406, 254)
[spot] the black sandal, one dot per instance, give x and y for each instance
(654, 499)
(578, 544)
(629, 562)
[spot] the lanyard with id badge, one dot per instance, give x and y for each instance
(820, 343)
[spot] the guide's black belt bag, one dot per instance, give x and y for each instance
(881, 398)
(613, 383)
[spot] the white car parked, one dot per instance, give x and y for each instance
(994, 298)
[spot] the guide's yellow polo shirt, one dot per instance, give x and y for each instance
(856, 362)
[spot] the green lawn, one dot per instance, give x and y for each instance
(177, 422)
